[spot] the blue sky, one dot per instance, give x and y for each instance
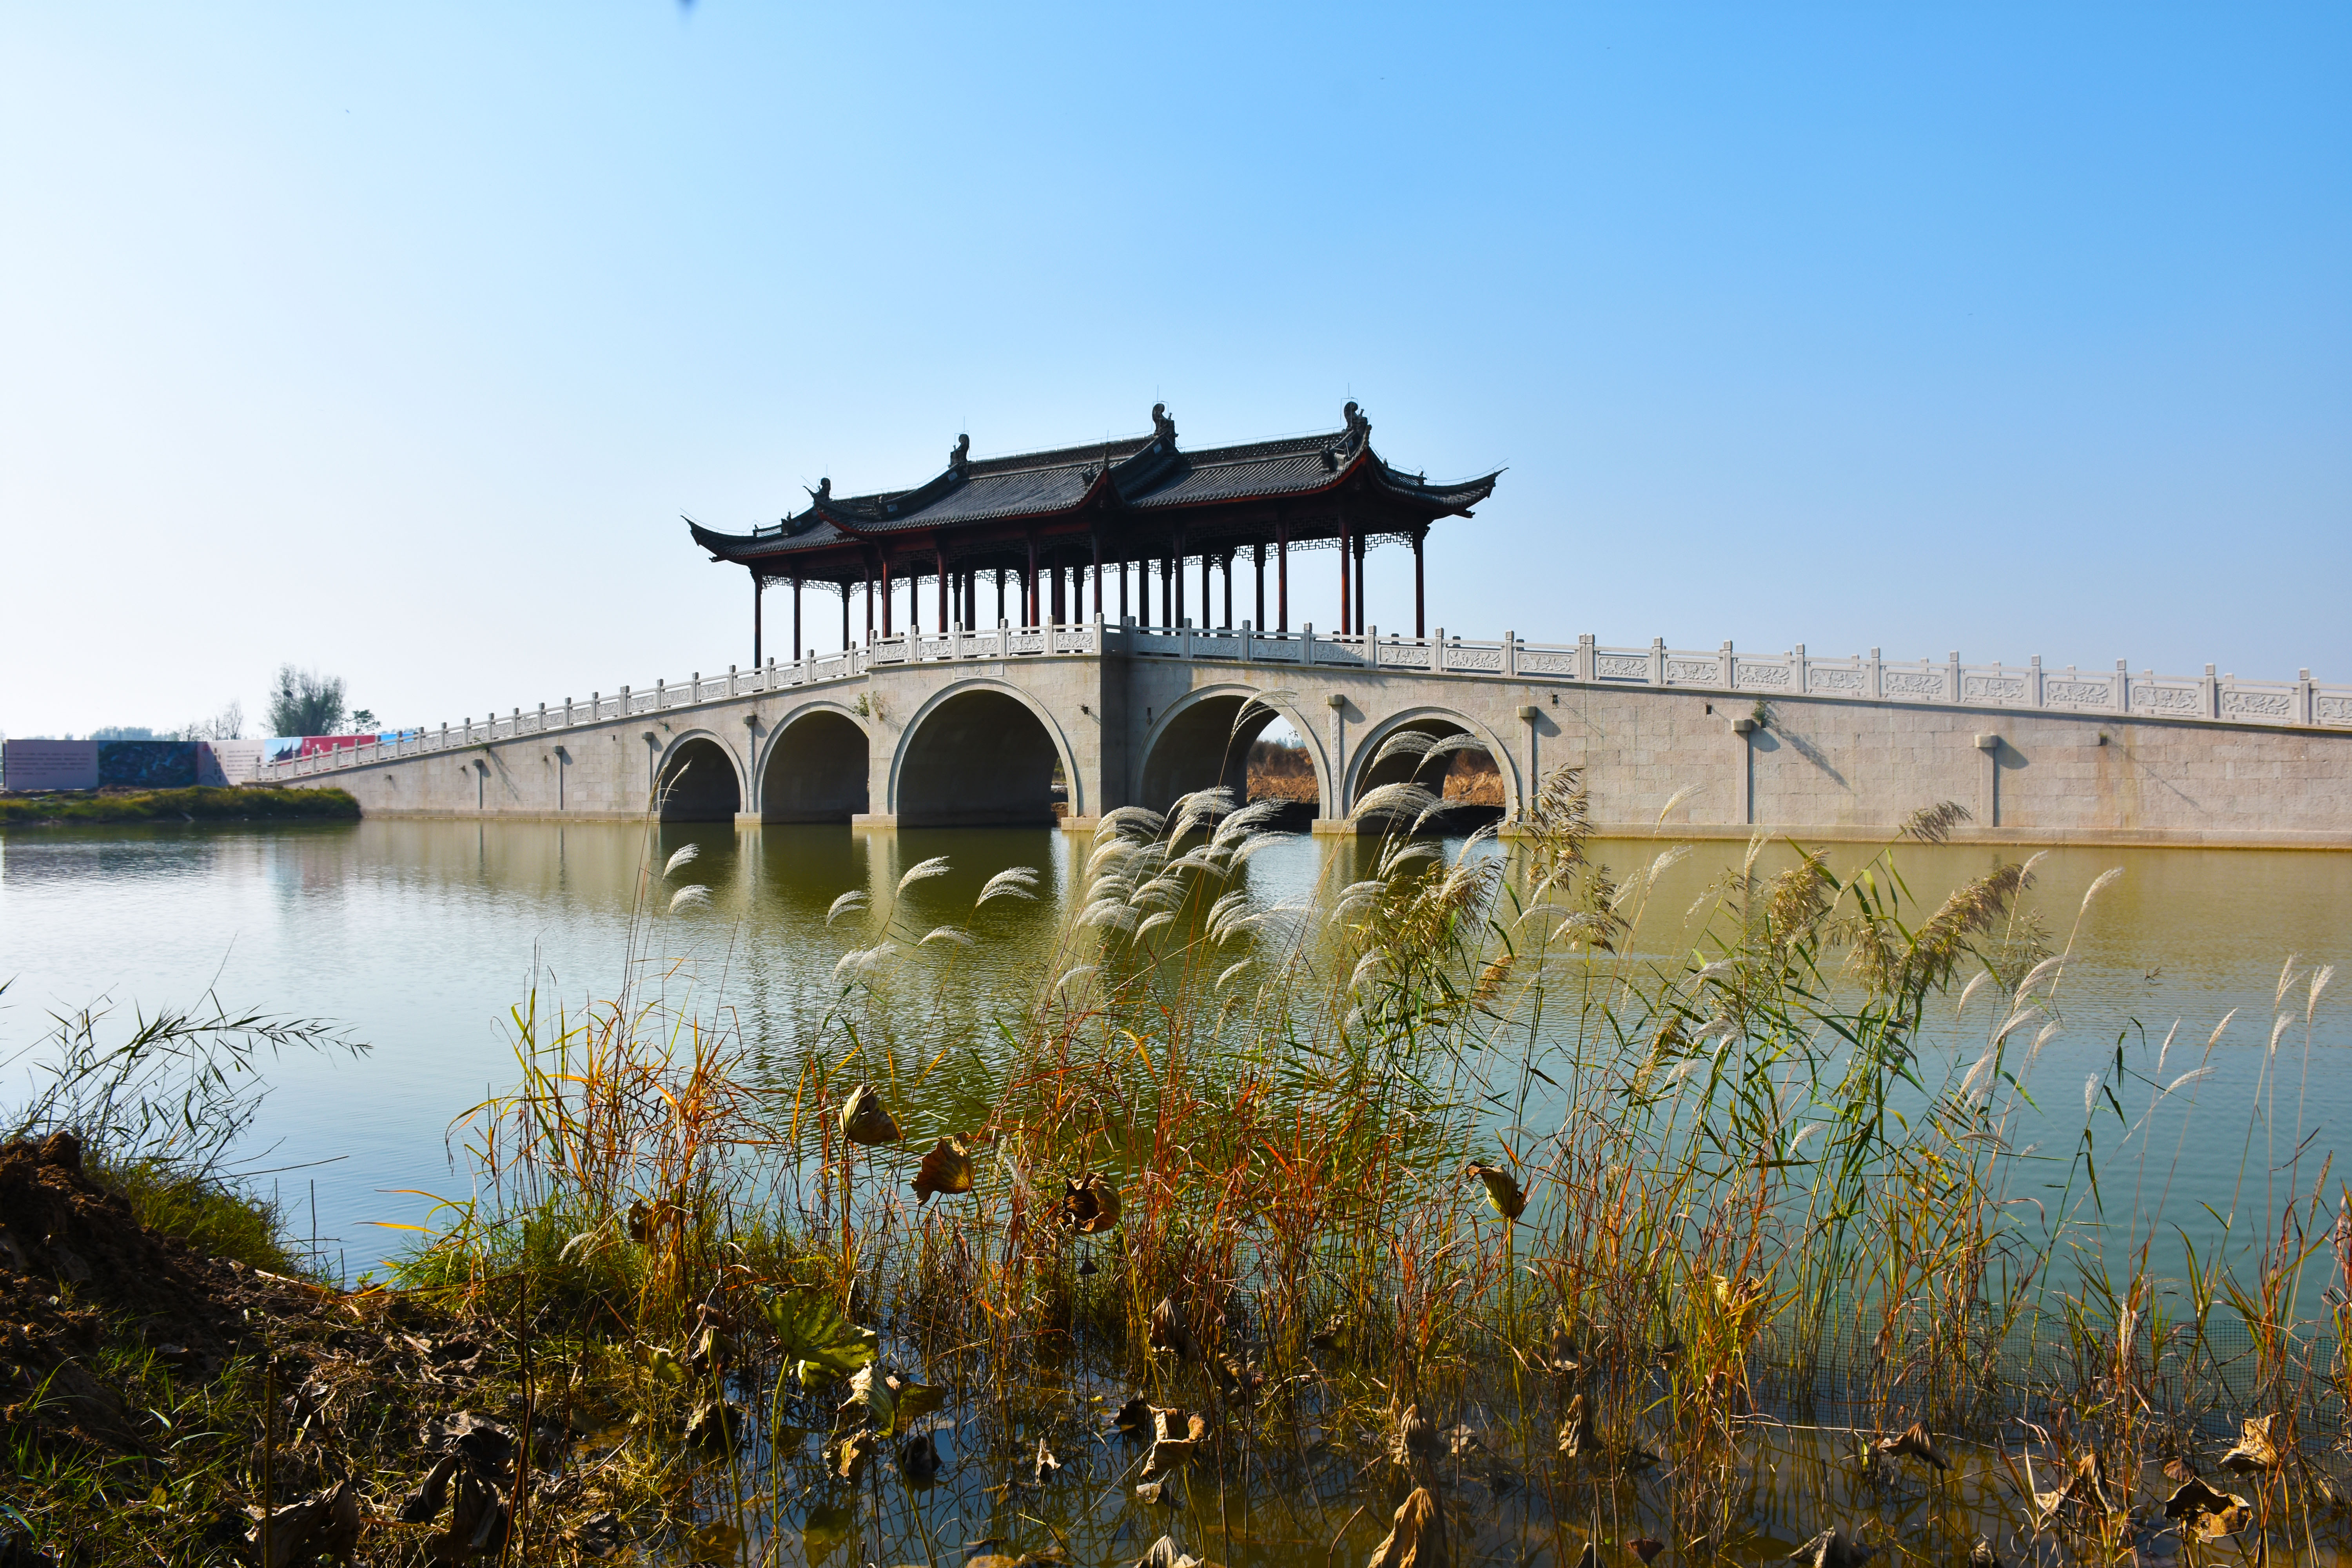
(393, 341)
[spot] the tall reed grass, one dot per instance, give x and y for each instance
(1457, 1135)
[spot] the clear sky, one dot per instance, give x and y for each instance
(392, 339)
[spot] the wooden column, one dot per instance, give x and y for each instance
(1359, 584)
(844, 616)
(869, 601)
(941, 552)
(1029, 589)
(1257, 558)
(1282, 578)
(1095, 541)
(756, 585)
(1176, 571)
(1228, 564)
(796, 620)
(1347, 592)
(1167, 589)
(1420, 609)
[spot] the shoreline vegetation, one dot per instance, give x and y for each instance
(1434, 1219)
(203, 803)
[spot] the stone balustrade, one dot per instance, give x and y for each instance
(2223, 699)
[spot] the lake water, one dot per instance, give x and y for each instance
(420, 936)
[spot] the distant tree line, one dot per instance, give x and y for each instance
(301, 702)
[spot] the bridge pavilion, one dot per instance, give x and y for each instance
(1063, 526)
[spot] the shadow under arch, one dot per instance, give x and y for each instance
(1378, 763)
(697, 783)
(977, 756)
(1204, 742)
(815, 769)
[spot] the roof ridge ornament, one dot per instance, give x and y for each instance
(823, 493)
(1163, 427)
(1360, 427)
(961, 458)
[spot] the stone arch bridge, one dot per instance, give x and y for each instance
(1061, 723)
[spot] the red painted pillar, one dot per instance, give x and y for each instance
(1359, 584)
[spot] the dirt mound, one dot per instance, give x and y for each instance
(76, 1267)
(372, 1398)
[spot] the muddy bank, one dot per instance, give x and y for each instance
(154, 1396)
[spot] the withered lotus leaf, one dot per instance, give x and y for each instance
(1405, 1547)
(2256, 1450)
(1590, 1556)
(1833, 1548)
(1170, 1331)
(1414, 1436)
(1090, 1205)
(2194, 1498)
(1168, 1455)
(919, 1456)
(1174, 1422)
(1135, 1416)
(869, 1404)
(2229, 1521)
(865, 1120)
(916, 1400)
(1046, 1464)
(850, 1454)
(1915, 1442)
(1578, 1439)
(1646, 1547)
(1981, 1554)
(946, 1168)
(1165, 1552)
(1503, 1194)
(1561, 1354)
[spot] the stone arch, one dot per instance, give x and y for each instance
(697, 779)
(814, 767)
(1193, 745)
(1368, 772)
(982, 752)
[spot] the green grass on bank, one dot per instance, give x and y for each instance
(199, 805)
(213, 1217)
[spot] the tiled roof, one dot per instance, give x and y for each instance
(1144, 474)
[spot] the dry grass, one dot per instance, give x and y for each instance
(1441, 1139)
